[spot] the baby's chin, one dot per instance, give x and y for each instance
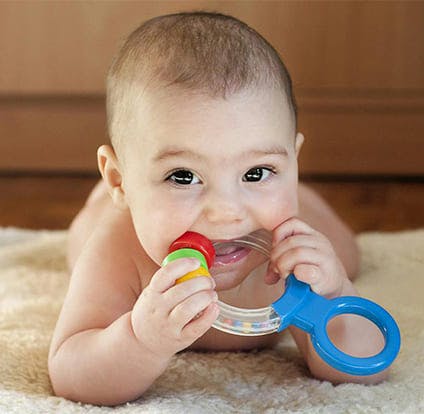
(227, 281)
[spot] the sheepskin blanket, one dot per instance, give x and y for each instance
(33, 282)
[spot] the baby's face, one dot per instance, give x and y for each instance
(222, 168)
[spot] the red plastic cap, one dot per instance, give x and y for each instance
(197, 241)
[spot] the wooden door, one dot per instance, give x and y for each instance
(357, 67)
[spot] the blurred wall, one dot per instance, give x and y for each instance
(357, 67)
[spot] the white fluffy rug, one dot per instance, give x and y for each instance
(33, 281)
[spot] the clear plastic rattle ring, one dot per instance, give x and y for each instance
(241, 321)
(298, 306)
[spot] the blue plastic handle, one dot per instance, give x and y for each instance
(301, 307)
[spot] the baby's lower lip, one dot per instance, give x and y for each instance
(231, 258)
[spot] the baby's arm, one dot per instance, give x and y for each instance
(354, 336)
(95, 355)
(300, 249)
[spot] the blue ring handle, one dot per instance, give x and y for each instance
(301, 307)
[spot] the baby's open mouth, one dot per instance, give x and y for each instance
(236, 259)
(229, 254)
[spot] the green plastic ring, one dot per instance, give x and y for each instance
(182, 253)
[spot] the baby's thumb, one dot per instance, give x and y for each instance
(271, 277)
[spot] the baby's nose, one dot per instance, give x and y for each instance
(225, 206)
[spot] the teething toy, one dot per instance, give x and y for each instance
(195, 245)
(298, 306)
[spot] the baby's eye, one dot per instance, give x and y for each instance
(258, 174)
(183, 177)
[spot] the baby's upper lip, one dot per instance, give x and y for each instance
(227, 239)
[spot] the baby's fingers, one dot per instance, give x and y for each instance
(182, 291)
(271, 277)
(165, 277)
(286, 263)
(199, 325)
(185, 311)
(308, 273)
(291, 227)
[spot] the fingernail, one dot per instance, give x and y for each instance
(215, 297)
(213, 283)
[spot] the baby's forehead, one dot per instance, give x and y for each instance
(202, 129)
(172, 104)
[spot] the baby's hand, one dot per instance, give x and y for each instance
(169, 317)
(299, 249)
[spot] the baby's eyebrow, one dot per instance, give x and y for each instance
(270, 151)
(175, 153)
(172, 152)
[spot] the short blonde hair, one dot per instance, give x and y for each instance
(210, 53)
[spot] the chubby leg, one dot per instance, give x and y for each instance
(83, 224)
(315, 211)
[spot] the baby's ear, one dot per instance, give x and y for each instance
(110, 170)
(298, 142)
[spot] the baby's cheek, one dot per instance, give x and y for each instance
(279, 210)
(150, 237)
(157, 232)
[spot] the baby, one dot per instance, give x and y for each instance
(202, 121)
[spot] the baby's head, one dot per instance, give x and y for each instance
(201, 53)
(202, 121)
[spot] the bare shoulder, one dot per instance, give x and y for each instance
(315, 211)
(105, 281)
